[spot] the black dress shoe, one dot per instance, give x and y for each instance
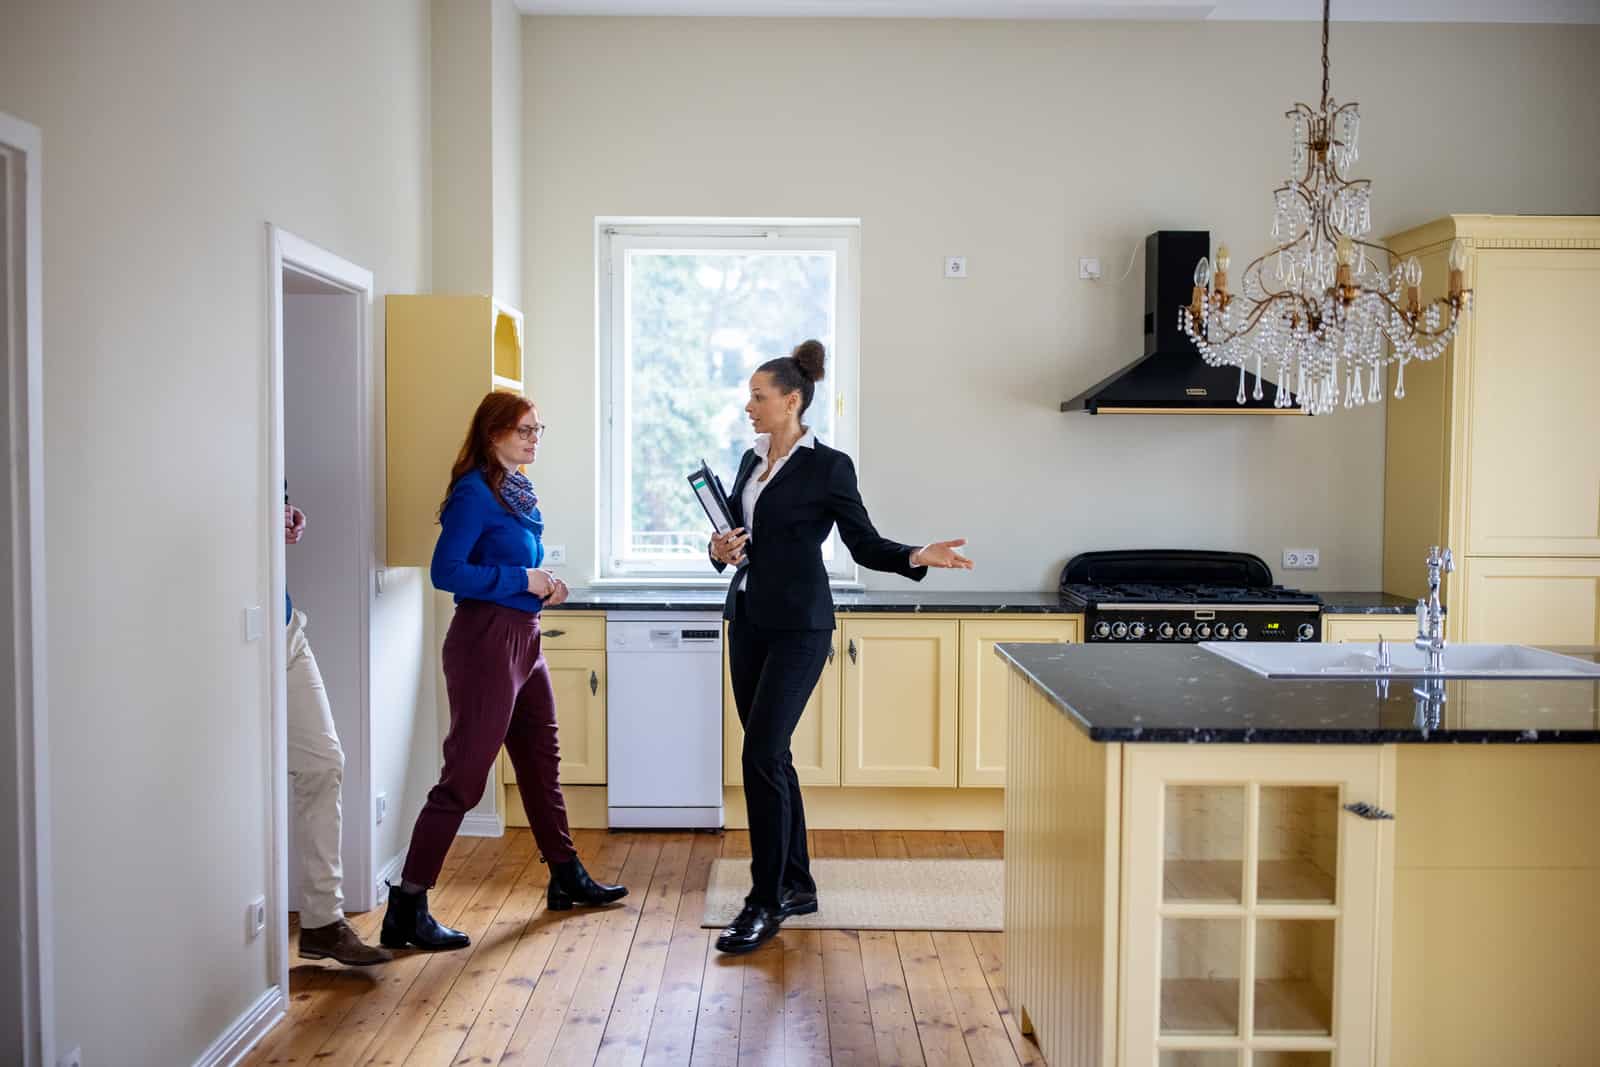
(408, 922)
(797, 902)
(753, 928)
(570, 884)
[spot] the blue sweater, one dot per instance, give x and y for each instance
(484, 551)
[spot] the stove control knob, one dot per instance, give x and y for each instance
(1203, 631)
(1119, 630)
(1185, 631)
(1101, 629)
(1165, 630)
(1306, 631)
(1222, 631)
(1240, 632)
(1136, 631)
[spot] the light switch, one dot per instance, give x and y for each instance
(254, 623)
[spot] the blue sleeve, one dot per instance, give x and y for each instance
(461, 525)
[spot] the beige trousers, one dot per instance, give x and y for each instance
(316, 771)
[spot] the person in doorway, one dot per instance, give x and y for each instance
(488, 555)
(316, 774)
(780, 614)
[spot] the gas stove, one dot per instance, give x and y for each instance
(1167, 595)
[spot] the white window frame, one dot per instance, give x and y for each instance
(613, 237)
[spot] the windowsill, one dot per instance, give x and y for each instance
(839, 586)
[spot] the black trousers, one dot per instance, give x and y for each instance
(773, 674)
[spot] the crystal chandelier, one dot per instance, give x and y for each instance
(1318, 307)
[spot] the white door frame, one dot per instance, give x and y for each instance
(286, 250)
(23, 670)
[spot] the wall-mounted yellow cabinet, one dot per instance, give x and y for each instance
(815, 745)
(985, 682)
(1395, 629)
(443, 354)
(1495, 449)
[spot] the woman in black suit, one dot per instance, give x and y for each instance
(780, 615)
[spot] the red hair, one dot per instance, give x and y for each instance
(497, 415)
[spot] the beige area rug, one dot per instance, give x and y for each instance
(878, 894)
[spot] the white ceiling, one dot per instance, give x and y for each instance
(1565, 11)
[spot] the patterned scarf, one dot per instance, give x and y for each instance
(519, 493)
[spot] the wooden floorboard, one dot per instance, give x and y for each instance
(642, 983)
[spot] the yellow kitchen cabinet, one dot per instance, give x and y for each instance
(442, 355)
(900, 697)
(1395, 629)
(985, 681)
(574, 649)
(1495, 450)
(1537, 601)
(815, 745)
(1252, 907)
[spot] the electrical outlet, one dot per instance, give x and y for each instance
(1301, 559)
(955, 266)
(381, 806)
(71, 1059)
(255, 918)
(1089, 269)
(555, 555)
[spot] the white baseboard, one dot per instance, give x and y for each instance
(389, 872)
(483, 824)
(248, 1029)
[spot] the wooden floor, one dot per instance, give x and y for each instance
(641, 983)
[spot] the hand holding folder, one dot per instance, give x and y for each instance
(708, 490)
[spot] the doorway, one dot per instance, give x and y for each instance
(27, 1018)
(321, 452)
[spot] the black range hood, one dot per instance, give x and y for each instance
(1171, 378)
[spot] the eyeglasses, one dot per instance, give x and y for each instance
(528, 433)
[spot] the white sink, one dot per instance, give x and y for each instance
(1272, 659)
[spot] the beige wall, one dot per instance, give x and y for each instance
(1024, 146)
(172, 134)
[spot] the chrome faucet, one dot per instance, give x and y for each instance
(1430, 613)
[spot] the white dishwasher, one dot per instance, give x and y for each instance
(664, 720)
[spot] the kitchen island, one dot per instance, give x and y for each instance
(1206, 867)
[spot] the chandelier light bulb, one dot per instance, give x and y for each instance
(1223, 259)
(1202, 273)
(1458, 255)
(1347, 252)
(1411, 272)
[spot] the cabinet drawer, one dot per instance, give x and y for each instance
(1395, 629)
(569, 630)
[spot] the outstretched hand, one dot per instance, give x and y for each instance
(942, 554)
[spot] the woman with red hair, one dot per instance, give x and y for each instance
(488, 555)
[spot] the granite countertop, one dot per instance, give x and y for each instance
(1182, 693)
(623, 598)
(696, 598)
(1358, 602)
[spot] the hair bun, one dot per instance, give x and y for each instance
(810, 357)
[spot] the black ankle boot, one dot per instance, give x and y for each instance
(570, 884)
(408, 922)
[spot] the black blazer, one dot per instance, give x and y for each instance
(787, 584)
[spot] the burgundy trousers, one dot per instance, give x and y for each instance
(500, 694)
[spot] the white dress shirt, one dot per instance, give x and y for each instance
(754, 486)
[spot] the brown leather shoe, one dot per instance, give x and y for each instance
(337, 941)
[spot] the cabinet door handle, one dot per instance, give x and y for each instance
(830, 653)
(594, 683)
(555, 633)
(853, 658)
(1368, 811)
